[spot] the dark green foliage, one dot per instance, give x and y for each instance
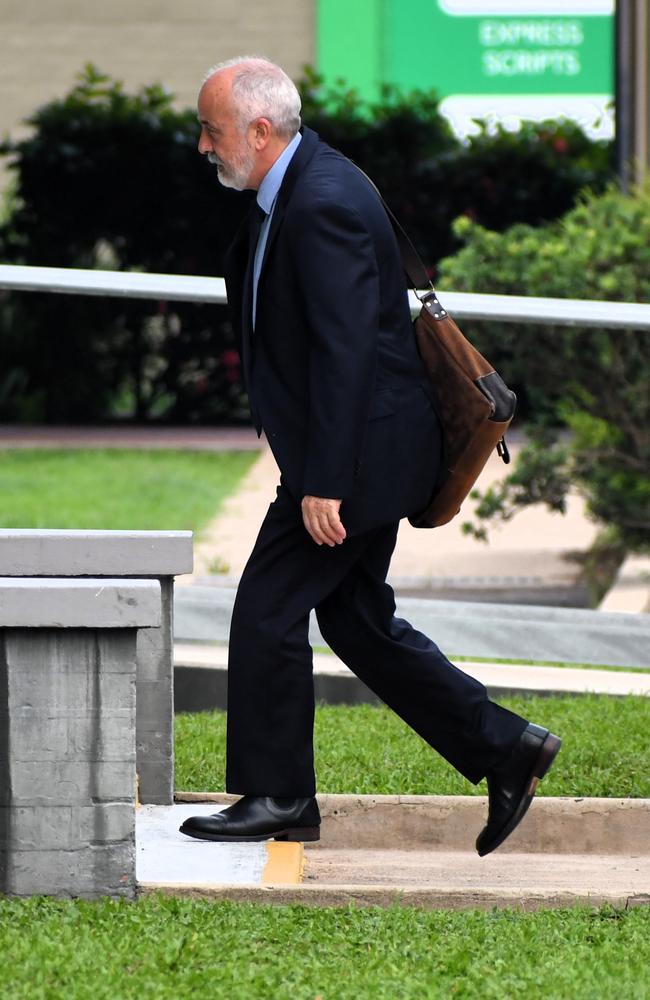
(114, 180)
(531, 175)
(429, 178)
(593, 381)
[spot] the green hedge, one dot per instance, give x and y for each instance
(429, 177)
(593, 380)
(114, 180)
(110, 179)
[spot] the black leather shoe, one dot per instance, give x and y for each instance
(511, 785)
(258, 818)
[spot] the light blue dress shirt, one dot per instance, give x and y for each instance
(266, 199)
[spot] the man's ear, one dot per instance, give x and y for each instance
(262, 133)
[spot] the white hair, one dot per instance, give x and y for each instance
(261, 89)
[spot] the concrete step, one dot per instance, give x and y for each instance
(462, 880)
(415, 851)
(163, 854)
(463, 628)
(451, 823)
(200, 681)
(446, 880)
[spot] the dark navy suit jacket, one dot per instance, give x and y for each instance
(332, 370)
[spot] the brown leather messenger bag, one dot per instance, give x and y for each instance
(474, 404)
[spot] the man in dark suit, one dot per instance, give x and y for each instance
(318, 297)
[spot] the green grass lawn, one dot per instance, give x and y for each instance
(367, 749)
(115, 487)
(169, 948)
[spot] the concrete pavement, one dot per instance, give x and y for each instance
(415, 851)
(128, 436)
(631, 589)
(200, 679)
(529, 560)
(475, 630)
(163, 854)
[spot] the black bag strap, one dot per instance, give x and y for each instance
(414, 269)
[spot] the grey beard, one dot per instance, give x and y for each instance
(230, 177)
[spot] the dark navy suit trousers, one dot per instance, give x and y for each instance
(270, 684)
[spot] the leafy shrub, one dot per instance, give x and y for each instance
(429, 177)
(114, 180)
(110, 179)
(592, 380)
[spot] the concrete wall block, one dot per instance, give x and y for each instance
(51, 783)
(90, 872)
(67, 738)
(115, 692)
(116, 649)
(82, 602)
(77, 553)
(51, 667)
(89, 738)
(70, 651)
(39, 828)
(154, 745)
(155, 646)
(37, 688)
(154, 656)
(156, 781)
(155, 703)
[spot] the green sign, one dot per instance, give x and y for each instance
(484, 57)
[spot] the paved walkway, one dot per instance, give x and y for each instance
(413, 850)
(113, 436)
(531, 555)
(631, 590)
(497, 677)
(530, 559)
(163, 854)
(471, 629)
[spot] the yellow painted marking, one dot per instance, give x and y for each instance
(285, 863)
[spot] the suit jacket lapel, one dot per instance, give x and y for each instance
(299, 161)
(238, 285)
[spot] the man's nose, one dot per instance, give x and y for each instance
(203, 145)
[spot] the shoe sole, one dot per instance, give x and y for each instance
(301, 835)
(547, 754)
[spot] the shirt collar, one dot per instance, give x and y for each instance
(268, 189)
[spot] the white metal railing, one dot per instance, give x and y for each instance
(190, 288)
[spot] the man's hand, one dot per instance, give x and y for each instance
(321, 519)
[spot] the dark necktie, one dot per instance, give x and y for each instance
(257, 217)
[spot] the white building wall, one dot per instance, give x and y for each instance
(44, 43)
